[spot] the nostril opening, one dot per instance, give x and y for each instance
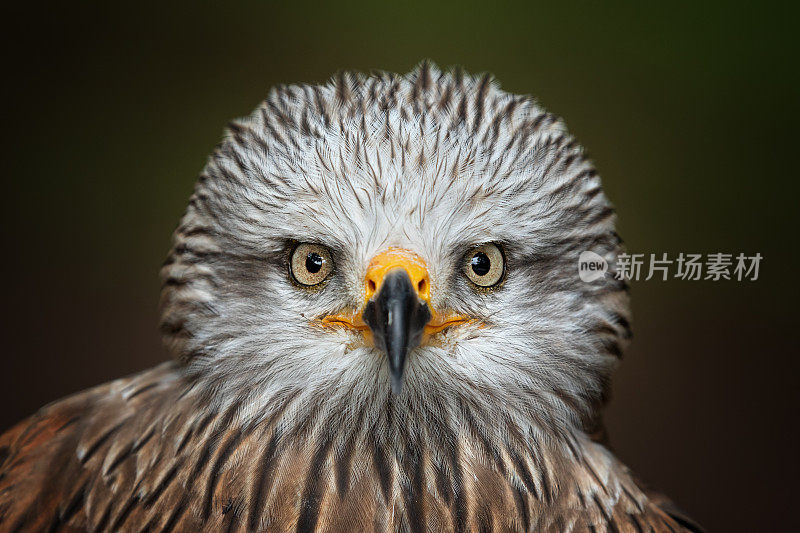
(421, 286)
(371, 285)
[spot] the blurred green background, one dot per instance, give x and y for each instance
(690, 112)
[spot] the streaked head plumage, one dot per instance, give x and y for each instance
(434, 163)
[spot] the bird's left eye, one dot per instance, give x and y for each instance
(310, 264)
(484, 265)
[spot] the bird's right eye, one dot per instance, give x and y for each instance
(310, 264)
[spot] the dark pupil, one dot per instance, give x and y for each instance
(314, 262)
(480, 264)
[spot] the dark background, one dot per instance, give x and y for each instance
(690, 113)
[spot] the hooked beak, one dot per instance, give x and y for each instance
(397, 317)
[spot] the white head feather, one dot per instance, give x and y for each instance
(433, 162)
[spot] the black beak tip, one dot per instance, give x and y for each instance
(397, 383)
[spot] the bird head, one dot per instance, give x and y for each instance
(403, 241)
